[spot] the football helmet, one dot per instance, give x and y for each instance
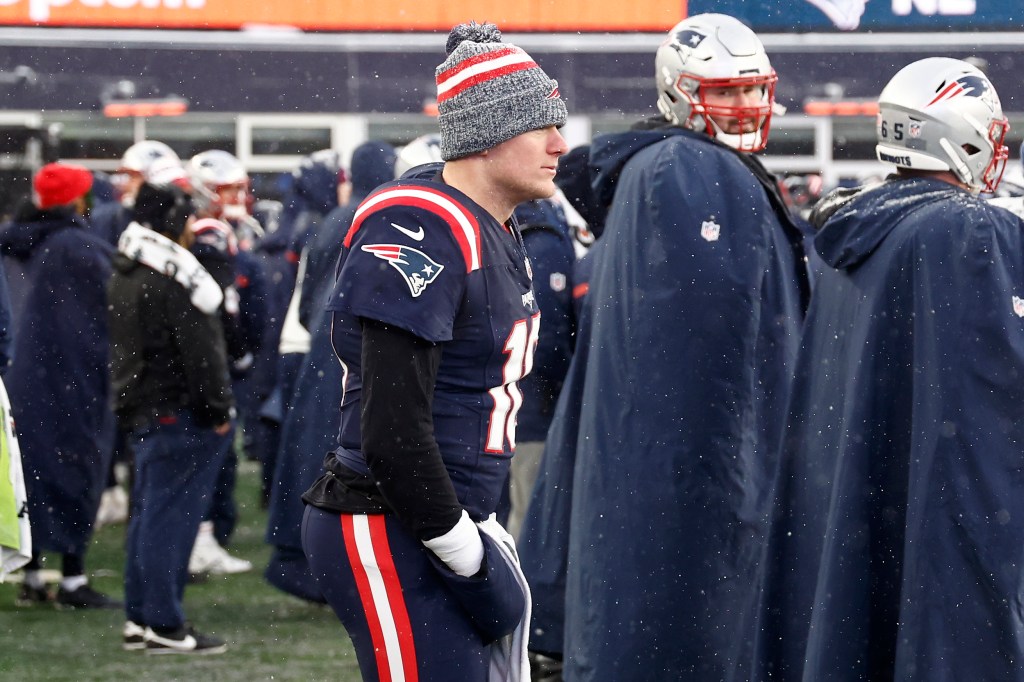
(327, 158)
(220, 185)
(137, 166)
(142, 155)
(941, 114)
(713, 51)
(424, 149)
(167, 171)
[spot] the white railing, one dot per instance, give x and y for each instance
(347, 131)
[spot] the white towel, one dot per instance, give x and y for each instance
(169, 258)
(509, 662)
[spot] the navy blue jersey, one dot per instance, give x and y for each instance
(422, 256)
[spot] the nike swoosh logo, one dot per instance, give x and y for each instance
(417, 235)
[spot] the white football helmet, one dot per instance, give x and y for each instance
(141, 155)
(943, 114)
(136, 167)
(424, 149)
(220, 184)
(715, 51)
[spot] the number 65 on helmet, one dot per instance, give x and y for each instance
(941, 114)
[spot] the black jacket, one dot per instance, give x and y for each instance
(165, 353)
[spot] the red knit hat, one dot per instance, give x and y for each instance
(58, 184)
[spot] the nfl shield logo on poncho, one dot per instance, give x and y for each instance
(1018, 306)
(710, 230)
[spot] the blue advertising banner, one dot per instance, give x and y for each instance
(873, 15)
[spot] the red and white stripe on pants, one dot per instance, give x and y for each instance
(366, 542)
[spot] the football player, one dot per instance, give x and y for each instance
(434, 322)
(220, 189)
(695, 303)
(901, 517)
(110, 219)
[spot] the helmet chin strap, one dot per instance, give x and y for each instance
(961, 170)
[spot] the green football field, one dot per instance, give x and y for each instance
(271, 636)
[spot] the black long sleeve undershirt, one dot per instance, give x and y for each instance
(399, 371)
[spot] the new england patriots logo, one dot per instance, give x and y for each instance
(966, 86)
(417, 268)
(690, 38)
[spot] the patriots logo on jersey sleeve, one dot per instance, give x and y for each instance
(417, 268)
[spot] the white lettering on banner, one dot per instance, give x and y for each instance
(39, 10)
(930, 7)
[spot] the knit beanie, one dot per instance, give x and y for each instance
(373, 163)
(58, 184)
(162, 209)
(489, 92)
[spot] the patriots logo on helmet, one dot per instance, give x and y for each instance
(690, 38)
(417, 268)
(968, 86)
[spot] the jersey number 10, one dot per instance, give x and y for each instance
(519, 348)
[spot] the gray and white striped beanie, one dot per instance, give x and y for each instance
(489, 92)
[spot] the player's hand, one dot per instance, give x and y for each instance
(222, 429)
(461, 548)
